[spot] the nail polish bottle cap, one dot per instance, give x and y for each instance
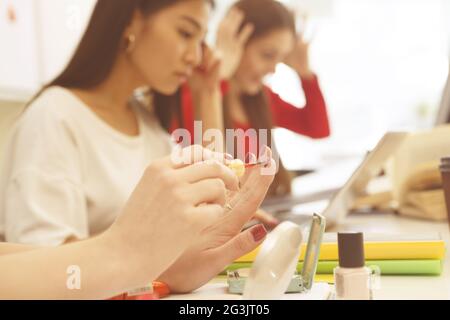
(351, 250)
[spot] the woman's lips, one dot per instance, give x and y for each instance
(182, 76)
(256, 79)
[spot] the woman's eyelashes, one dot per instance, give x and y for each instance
(269, 56)
(188, 35)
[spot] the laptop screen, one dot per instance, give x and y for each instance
(443, 116)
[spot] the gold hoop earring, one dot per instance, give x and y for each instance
(131, 43)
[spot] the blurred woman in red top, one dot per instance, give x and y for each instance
(253, 39)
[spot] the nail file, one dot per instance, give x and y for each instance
(251, 165)
(239, 167)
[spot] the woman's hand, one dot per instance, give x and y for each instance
(206, 77)
(207, 96)
(176, 200)
(231, 41)
(269, 221)
(298, 59)
(222, 243)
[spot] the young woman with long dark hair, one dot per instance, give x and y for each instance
(254, 38)
(80, 149)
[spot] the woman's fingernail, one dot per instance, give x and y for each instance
(262, 150)
(275, 221)
(265, 157)
(259, 233)
(250, 158)
(228, 156)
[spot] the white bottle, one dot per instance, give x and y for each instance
(352, 278)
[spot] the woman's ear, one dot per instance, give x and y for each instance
(136, 25)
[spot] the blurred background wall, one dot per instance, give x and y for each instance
(382, 64)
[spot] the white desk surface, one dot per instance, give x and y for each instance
(392, 287)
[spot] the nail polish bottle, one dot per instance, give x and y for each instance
(352, 278)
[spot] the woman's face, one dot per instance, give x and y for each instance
(261, 57)
(169, 45)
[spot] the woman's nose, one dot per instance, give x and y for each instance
(193, 55)
(272, 68)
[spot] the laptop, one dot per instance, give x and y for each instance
(443, 116)
(342, 199)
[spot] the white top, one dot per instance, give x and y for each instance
(68, 173)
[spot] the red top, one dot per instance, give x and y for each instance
(311, 120)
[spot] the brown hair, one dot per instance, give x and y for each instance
(100, 45)
(266, 16)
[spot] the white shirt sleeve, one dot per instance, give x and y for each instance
(44, 202)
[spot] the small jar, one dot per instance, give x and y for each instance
(445, 173)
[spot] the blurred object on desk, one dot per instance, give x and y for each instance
(423, 195)
(416, 180)
(314, 186)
